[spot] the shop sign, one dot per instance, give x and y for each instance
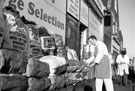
(58, 4)
(43, 13)
(95, 27)
(84, 13)
(73, 8)
(47, 42)
(100, 5)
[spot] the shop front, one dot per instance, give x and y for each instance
(72, 25)
(77, 25)
(50, 73)
(95, 26)
(83, 26)
(96, 18)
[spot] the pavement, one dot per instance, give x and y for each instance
(89, 85)
(122, 88)
(119, 87)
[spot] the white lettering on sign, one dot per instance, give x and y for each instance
(18, 38)
(73, 8)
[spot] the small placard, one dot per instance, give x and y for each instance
(47, 42)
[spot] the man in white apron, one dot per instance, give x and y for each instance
(102, 65)
(123, 66)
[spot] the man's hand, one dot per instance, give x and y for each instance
(92, 64)
(122, 63)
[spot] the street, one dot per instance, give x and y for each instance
(122, 88)
(118, 87)
(89, 86)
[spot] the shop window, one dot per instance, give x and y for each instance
(107, 20)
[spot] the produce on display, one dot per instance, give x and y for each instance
(33, 59)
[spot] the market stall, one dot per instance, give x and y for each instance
(32, 59)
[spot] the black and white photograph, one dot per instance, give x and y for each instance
(67, 45)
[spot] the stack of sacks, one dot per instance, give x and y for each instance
(84, 71)
(57, 81)
(54, 62)
(36, 68)
(38, 84)
(57, 67)
(34, 48)
(41, 72)
(71, 78)
(72, 60)
(35, 43)
(77, 70)
(80, 69)
(72, 67)
(15, 45)
(46, 73)
(37, 73)
(15, 41)
(11, 82)
(74, 70)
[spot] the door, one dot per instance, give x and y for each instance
(73, 34)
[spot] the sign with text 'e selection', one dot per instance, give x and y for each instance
(51, 16)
